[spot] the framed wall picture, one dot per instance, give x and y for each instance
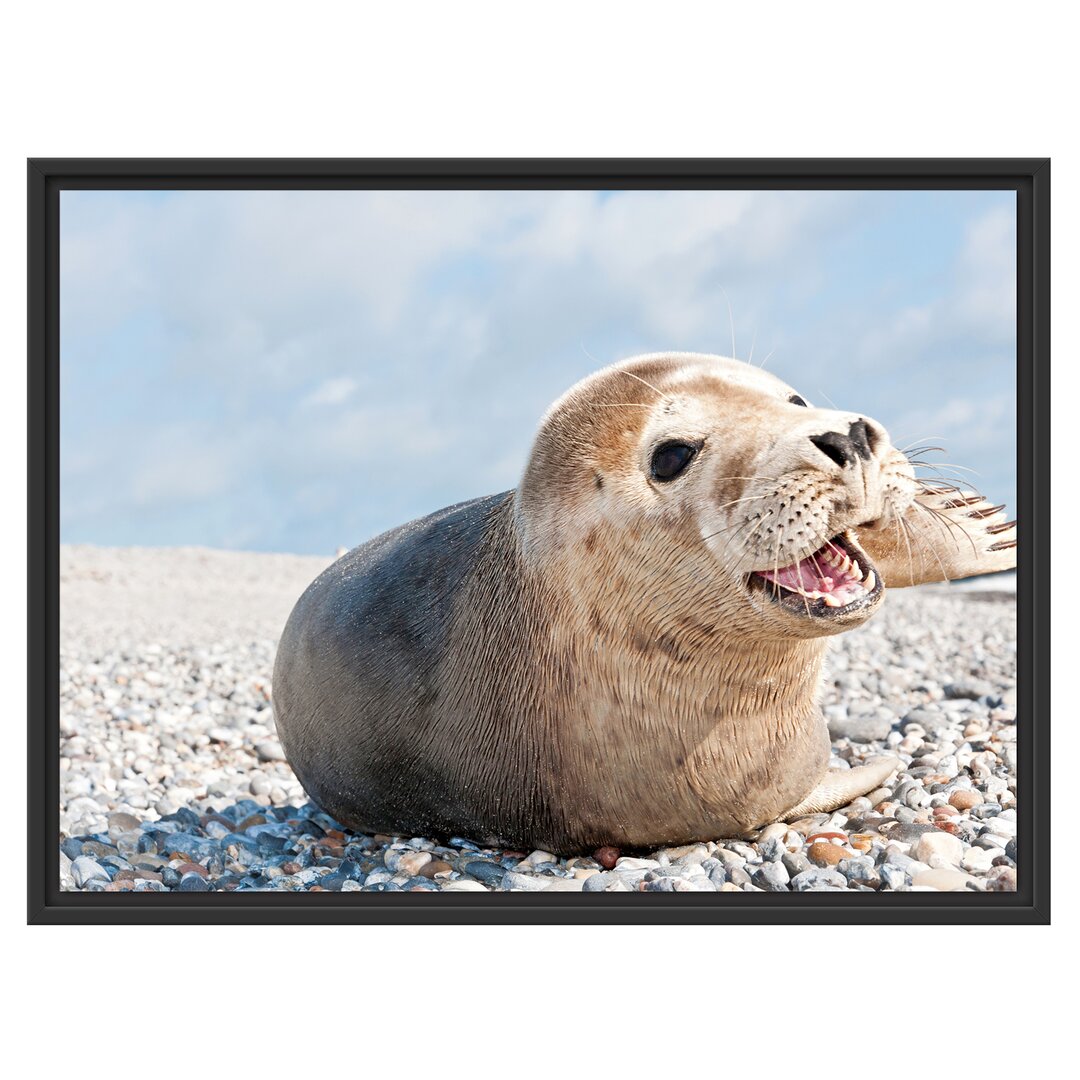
(584, 540)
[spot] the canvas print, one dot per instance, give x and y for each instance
(616, 541)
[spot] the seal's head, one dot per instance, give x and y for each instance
(710, 489)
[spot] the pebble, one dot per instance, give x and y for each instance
(772, 877)
(964, 799)
(489, 873)
(938, 844)
(171, 767)
(607, 857)
(818, 878)
(270, 751)
(84, 870)
(942, 880)
(825, 853)
(1001, 879)
(861, 729)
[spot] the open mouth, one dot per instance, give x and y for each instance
(837, 579)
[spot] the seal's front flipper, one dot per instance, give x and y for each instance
(945, 534)
(840, 786)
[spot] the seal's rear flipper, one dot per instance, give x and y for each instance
(945, 534)
(840, 786)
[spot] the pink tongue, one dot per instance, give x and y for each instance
(814, 574)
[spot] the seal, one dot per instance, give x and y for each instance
(627, 649)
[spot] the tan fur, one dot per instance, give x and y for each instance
(607, 676)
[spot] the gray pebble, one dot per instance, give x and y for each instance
(772, 877)
(816, 878)
(85, 869)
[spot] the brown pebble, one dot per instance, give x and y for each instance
(607, 857)
(965, 800)
(1001, 879)
(248, 822)
(825, 854)
(291, 868)
(813, 837)
(192, 868)
(436, 866)
(945, 811)
(221, 820)
(126, 875)
(861, 842)
(147, 875)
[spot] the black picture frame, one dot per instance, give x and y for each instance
(1028, 177)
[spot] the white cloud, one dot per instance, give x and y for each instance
(333, 391)
(358, 358)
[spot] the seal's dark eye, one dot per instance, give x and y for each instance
(796, 400)
(670, 458)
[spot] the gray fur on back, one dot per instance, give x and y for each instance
(358, 672)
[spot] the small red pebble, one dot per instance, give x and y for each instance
(842, 837)
(607, 857)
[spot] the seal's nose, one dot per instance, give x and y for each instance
(845, 450)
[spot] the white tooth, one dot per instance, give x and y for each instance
(833, 601)
(871, 581)
(855, 570)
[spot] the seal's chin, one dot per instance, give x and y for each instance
(835, 581)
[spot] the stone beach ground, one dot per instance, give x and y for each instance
(172, 778)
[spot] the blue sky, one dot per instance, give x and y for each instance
(298, 371)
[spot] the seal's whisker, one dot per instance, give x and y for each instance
(748, 498)
(944, 520)
(902, 531)
(943, 485)
(946, 523)
(731, 321)
(721, 479)
(904, 449)
(767, 357)
(623, 371)
(745, 539)
(944, 572)
(734, 525)
(830, 401)
(941, 465)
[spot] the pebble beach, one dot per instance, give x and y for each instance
(172, 777)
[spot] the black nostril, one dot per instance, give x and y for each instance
(862, 439)
(835, 446)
